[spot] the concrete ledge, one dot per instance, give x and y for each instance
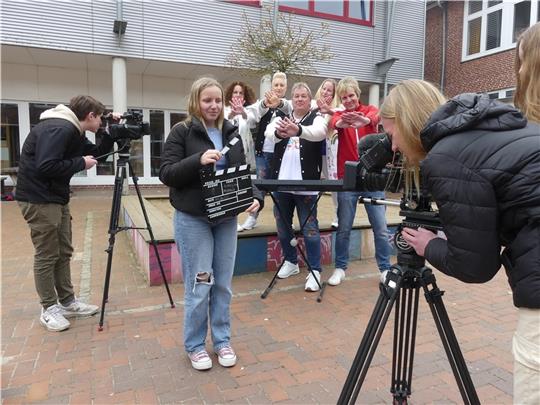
(256, 253)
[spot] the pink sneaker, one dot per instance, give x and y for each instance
(200, 360)
(226, 356)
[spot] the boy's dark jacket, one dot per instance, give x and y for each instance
(181, 162)
(483, 171)
(51, 154)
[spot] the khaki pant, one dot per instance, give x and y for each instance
(526, 348)
(50, 230)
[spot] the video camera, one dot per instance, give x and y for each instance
(379, 169)
(131, 126)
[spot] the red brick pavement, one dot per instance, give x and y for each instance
(291, 349)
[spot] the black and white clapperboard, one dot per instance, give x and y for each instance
(226, 192)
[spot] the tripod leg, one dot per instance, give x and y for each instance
(448, 338)
(357, 373)
(151, 233)
(404, 340)
(113, 229)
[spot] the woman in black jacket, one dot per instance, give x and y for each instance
(480, 160)
(207, 248)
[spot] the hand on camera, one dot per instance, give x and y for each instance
(418, 239)
(89, 162)
(210, 156)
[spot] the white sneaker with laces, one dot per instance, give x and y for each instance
(288, 269)
(337, 277)
(200, 360)
(250, 222)
(226, 356)
(311, 283)
(53, 319)
(78, 309)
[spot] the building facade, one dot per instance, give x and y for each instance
(53, 50)
(470, 45)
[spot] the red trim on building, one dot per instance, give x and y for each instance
(345, 18)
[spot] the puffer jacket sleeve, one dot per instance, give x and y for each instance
(50, 151)
(177, 169)
(468, 210)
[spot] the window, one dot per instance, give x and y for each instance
(504, 95)
(157, 129)
(352, 11)
(137, 151)
(9, 135)
(522, 18)
(492, 26)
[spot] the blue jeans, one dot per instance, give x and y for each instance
(208, 251)
(263, 162)
(347, 203)
(312, 239)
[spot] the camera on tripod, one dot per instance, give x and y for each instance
(380, 169)
(130, 127)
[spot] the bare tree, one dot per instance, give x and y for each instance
(264, 48)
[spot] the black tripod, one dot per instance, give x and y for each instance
(401, 286)
(294, 243)
(120, 176)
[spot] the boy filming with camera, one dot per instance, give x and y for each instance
(53, 152)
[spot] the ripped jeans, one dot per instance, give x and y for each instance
(208, 251)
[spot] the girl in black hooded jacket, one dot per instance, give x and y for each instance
(480, 160)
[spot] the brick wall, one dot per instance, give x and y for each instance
(483, 74)
(433, 55)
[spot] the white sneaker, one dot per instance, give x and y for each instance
(53, 319)
(334, 224)
(239, 228)
(78, 309)
(288, 269)
(337, 277)
(250, 223)
(311, 284)
(200, 360)
(226, 356)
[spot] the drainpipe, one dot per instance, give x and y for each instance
(443, 5)
(390, 7)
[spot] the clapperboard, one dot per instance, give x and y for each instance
(227, 192)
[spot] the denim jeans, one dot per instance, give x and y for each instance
(206, 247)
(263, 162)
(312, 239)
(347, 203)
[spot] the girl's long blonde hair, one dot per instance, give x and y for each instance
(409, 105)
(194, 106)
(527, 96)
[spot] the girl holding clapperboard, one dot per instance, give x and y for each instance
(207, 248)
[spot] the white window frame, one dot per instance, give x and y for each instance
(501, 94)
(92, 178)
(507, 23)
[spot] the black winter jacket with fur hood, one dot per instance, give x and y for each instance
(483, 171)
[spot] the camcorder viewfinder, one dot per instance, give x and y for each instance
(130, 127)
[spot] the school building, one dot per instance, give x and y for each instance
(143, 55)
